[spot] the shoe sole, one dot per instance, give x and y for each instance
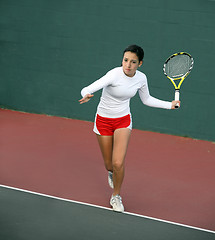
(110, 182)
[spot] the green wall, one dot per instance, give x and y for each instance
(50, 49)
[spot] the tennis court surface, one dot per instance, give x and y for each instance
(54, 185)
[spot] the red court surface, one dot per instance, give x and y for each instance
(167, 177)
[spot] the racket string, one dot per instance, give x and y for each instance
(178, 66)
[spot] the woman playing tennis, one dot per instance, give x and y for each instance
(113, 122)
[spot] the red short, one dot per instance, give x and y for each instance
(107, 126)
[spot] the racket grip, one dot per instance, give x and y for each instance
(177, 95)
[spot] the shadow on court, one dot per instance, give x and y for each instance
(32, 217)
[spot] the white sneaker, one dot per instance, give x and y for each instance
(116, 203)
(110, 179)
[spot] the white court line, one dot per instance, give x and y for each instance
(105, 208)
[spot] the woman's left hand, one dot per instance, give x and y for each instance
(174, 103)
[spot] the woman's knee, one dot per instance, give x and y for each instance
(118, 165)
(108, 165)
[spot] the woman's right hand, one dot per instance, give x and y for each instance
(86, 98)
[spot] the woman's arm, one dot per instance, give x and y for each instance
(150, 101)
(87, 92)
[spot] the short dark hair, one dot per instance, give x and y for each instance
(137, 50)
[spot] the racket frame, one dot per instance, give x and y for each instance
(178, 77)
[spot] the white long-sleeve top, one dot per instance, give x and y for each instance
(118, 89)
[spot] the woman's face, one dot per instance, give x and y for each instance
(130, 63)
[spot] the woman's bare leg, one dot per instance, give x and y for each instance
(106, 146)
(121, 139)
(114, 150)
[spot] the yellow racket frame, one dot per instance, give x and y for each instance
(177, 78)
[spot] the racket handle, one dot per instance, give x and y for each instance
(177, 95)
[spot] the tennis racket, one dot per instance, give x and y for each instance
(177, 67)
